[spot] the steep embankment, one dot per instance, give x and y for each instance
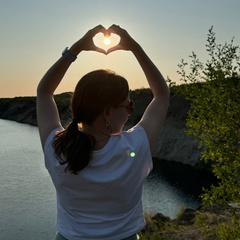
(173, 144)
(19, 109)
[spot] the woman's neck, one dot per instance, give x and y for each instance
(100, 134)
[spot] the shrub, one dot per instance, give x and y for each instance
(214, 117)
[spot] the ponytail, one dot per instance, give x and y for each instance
(73, 147)
(96, 91)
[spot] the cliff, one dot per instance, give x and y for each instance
(19, 109)
(172, 145)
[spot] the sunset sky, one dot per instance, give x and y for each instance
(33, 34)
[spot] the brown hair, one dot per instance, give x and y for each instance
(95, 92)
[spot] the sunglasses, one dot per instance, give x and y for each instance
(130, 107)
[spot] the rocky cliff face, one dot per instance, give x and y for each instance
(173, 144)
(22, 110)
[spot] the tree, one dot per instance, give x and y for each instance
(213, 89)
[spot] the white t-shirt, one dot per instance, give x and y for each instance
(104, 200)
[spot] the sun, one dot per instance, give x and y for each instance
(107, 41)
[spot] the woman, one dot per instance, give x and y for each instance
(97, 169)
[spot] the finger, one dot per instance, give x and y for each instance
(114, 26)
(112, 49)
(97, 30)
(114, 29)
(103, 30)
(100, 50)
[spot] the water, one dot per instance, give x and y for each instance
(27, 197)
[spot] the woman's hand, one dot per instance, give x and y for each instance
(126, 41)
(86, 42)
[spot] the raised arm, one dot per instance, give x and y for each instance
(155, 113)
(47, 112)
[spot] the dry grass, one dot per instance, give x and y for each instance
(207, 223)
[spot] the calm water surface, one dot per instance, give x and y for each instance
(27, 197)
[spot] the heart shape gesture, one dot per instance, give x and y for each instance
(119, 37)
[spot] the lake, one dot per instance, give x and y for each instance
(27, 196)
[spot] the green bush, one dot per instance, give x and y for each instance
(214, 117)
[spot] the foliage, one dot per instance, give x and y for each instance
(226, 232)
(230, 232)
(208, 222)
(214, 118)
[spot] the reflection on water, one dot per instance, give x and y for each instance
(166, 198)
(27, 197)
(172, 186)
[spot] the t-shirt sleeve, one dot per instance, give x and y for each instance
(48, 148)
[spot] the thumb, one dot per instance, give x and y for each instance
(112, 49)
(100, 50)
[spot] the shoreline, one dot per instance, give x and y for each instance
(172, 145)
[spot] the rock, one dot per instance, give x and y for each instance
(173, 143)
(20, 109)
(187, 217)
(159, 217)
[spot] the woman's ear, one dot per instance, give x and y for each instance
(107, 113)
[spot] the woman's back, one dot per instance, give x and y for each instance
(107, 193)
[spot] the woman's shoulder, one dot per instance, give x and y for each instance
(135, 129)
(51, 136)
(136, 132)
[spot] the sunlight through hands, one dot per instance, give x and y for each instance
(106, 42)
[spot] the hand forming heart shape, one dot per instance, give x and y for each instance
(93, 40)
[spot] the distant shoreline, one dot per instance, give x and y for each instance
(172, 145)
